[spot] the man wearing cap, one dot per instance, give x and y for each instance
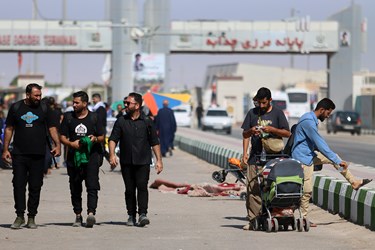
(261, 123)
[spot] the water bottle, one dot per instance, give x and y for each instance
(341, 169)
(263, 155)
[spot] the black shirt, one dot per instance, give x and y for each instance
(136, 138)
(102, 116)
(75, 128)
(30, 128)
(274, 118)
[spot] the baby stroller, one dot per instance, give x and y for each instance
(281, 191)
(235, 167)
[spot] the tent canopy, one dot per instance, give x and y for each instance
(155, 101)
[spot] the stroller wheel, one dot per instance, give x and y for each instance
(275, 223)
(300, 224)
(306, 224)
(243, 196)
(294, 224)
(218, 176)
(255, 224)
(268, 225)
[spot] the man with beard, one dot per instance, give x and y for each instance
(262, 122)
(83, 133)
(310, 149)
(29, 120)
(137, 135)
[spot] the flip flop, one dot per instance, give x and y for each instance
(312, 224)
(364, 182)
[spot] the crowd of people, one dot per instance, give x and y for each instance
(81, 129)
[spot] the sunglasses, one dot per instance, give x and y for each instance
(128, 103)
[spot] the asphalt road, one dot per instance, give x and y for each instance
(352, 148)
(177, 221)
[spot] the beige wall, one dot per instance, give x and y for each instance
(230, 96)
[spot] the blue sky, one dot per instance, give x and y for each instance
(184, 69)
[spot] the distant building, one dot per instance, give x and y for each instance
(233, 85)
(24, 80)
(363, 84)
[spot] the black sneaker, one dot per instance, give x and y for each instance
(143, 220)
(90, 221)
(31, 223)
(131, 221)
(18, 222)
(78, 222)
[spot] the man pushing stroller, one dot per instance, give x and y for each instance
(265, 126)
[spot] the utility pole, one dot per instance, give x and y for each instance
(35, 17)
(64, 59)
(124, 14)
(292, 14)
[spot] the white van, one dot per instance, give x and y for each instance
(298, 102)
(280, 100)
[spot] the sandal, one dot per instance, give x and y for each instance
(364, 182)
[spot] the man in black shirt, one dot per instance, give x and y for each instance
(83, 133)
(136, 134)
(29, 121)
(199, 112)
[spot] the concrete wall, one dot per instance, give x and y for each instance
(230, 96)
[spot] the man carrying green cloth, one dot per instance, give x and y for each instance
(82, 135)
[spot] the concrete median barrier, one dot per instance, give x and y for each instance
(329, 193)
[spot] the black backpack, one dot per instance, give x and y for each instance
(289, 144)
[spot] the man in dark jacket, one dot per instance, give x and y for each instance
(166, 127)
(100, 109)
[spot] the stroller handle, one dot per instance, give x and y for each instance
(272, 156)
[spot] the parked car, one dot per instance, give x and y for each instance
(217, 119)
(182, 113)
(348, 121)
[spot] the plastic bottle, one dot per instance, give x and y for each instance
(263, 155)
(341, 169)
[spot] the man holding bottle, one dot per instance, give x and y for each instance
(264, 126)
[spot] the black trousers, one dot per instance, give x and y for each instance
(90, 174)
(27, 170)
(136, 180)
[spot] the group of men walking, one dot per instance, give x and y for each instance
(83, 133)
